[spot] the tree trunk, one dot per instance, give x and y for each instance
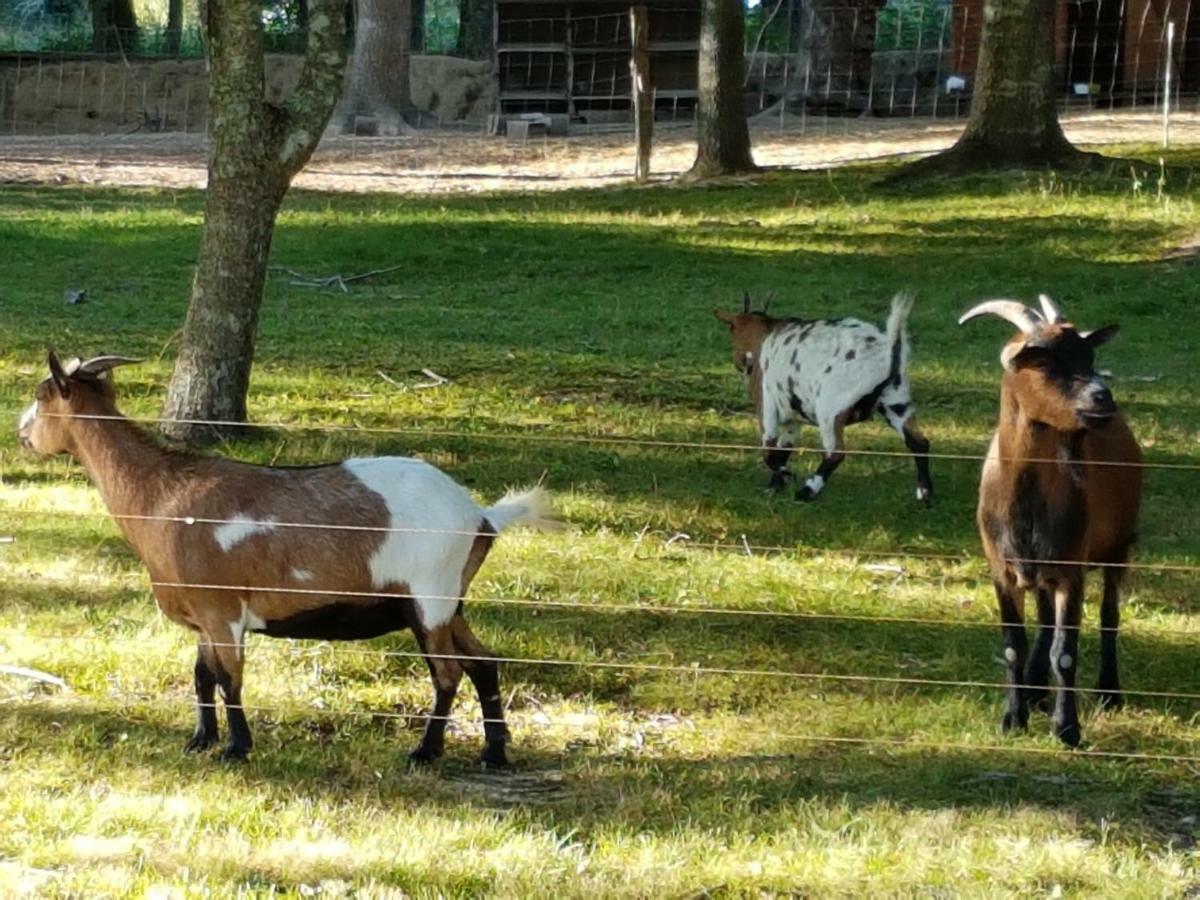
(418, 26)
(475, 28)
(174, 35)
(837, 44)
(114, 26)
(723, 137)
(255, 149)
(378, 85)
(1014, 114)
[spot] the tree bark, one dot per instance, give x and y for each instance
(838, 43)
(418, 26)
(378, 84)
(114, 26)
(475, 28)
(723, 137)
(1014, 113)
(255, 149)
(174, 34)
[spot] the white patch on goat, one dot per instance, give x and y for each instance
(1010, 654)
(435, 522)
(302, 575)
(815, 483)
(1065, 661)
(28, 416)
(247, 622)
(239, 528)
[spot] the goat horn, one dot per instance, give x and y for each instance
(100, 364)
(1049, 310)
(1026, 319)
(767, 302)
(745, 301)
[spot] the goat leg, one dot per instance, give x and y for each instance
(207, 732)
(1012, 627)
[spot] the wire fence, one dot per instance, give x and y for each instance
(705, 609)
(809, 69)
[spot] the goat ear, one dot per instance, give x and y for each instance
(1008, 356)
(61, 380)
(725, 317)
(1100, 335)
(745, 302)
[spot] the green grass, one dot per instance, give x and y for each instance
(588, 314)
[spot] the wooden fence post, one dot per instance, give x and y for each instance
(643, 102)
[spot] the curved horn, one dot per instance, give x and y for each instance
(1049, 310)
(745, 301)
(98, 365)
(1024, 318)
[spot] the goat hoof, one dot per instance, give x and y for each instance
(1110, 699)
(494, 756)
(1069, 734)
(805, 495)
(780, 479)
(925, 496)
(234, 753)
(424, 756)
(199, 742)
(1014, 721)
(1038, 698)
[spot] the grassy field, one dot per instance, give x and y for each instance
(588, 316)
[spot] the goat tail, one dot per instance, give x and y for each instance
(897, 332)
(531, 508)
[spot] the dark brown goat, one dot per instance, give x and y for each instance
(1059, 494)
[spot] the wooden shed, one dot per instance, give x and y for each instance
(572, 58)
(1115, 50)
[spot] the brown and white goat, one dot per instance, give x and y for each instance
(830, 373)
(344, 551)
(1059, 494)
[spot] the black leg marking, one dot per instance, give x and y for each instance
(918, 446)
(1012, 627)
(1064, 659)
(240, 741)
(1037, 674)
(776, 458)
(1109, 684)
(433, 741)
(485, 675)
(206, 733)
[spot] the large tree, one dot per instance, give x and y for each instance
(255, 149)
(114, 26)
(837, 41)
(378, 84)
(475, 28)
(723, 137)
(1014, 113)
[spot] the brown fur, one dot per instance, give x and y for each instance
(1046, 512)
(143, 484)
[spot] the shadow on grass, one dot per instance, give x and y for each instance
(648, 790)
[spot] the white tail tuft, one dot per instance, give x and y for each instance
(531, 508)
(897, 331)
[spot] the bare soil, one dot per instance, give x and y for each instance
(467, 160)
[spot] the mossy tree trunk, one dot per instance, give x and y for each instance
(378, 84)
(255, 149)
(723, 137)
(1014, 113)
(838, 43)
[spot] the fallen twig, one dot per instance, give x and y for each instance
(299, 279)
(34, 674)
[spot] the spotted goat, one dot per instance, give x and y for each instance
(344, 551)
(830, 373)
(1060, 493)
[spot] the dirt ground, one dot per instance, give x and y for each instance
(452, 161)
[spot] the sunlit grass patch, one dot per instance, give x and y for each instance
(712, 691)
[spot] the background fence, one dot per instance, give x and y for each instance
(909, 59)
